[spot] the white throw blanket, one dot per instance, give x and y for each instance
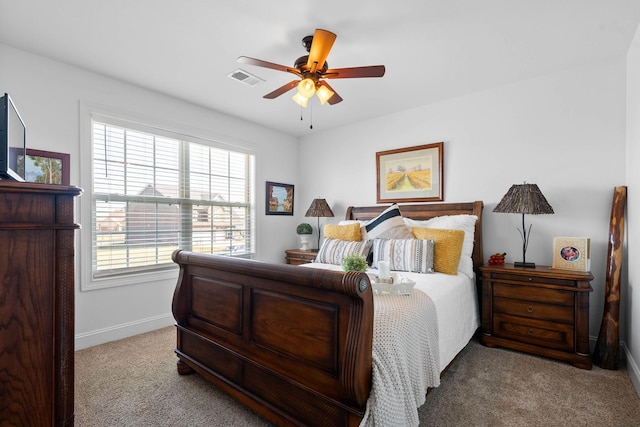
(405, 358)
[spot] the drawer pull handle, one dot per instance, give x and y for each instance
(530, 309)
(530, 332)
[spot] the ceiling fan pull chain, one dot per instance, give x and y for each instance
(311, 116)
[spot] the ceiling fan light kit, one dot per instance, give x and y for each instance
(324, 94)
(300, 100)
(312, 68)
(307, 88)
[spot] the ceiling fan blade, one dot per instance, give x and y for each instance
(282, 89)
(320, 48)
(354, 72)
(335, 98)
(266, 64)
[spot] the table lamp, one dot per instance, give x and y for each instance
(319, 208)
(524, 199)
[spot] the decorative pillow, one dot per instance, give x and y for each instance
(447, 250)
(405, 254)
(355, 221)
(333, 250)
(349, 221)
(349, 232)
(388, 225)
(454, 222)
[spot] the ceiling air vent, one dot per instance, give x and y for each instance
(245, 77)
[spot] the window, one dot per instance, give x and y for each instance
(153, 194)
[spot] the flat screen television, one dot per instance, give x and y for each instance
(13, 146)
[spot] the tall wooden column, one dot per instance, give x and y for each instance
(606, 354)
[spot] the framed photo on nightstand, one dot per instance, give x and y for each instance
(572, 253)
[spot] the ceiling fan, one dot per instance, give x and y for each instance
(312, 69)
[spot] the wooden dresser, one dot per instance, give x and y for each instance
(539, 310)
(297, 256)
(36, 304)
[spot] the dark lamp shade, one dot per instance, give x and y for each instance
(319, 208)
(524, 199)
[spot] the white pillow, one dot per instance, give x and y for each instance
(464, 222)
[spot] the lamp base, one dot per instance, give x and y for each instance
(525, 264)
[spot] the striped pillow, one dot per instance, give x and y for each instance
(333, 250)
(388, 225)
(404, 254)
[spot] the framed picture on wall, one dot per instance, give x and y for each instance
(46, 167)
(279, 199)
(412, 174)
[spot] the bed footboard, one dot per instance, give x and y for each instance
(293, 344)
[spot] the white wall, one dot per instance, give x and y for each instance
(49, 96)
(564, 131)
(630, 291)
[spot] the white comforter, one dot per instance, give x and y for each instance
(456, 301)
(414, 338)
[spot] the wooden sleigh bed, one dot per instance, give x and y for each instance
(294, 344)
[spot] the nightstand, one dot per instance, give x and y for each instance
(297, 256)
(541, 310)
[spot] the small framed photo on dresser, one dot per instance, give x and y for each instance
(46, 167)
(572, 253)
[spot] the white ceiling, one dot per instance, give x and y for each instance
(432, 49)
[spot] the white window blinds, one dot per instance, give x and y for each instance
(153, 194)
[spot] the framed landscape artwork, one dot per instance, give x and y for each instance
(279, 199)
(413, 174)
(46, 167)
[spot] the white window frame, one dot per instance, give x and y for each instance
(90, 113)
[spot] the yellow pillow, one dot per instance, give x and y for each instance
(447, 248)
(350, 232)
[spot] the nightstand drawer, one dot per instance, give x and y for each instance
(534, 310)
(531, 293)
(534, 331)
(531, 278)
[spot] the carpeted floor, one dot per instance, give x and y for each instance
(133, 382)
(498, 387)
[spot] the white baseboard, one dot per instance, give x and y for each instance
(124, 330)
(625, 357)
(632, 368)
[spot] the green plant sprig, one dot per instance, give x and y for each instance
(354, 262)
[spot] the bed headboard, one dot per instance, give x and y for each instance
(426, 211)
